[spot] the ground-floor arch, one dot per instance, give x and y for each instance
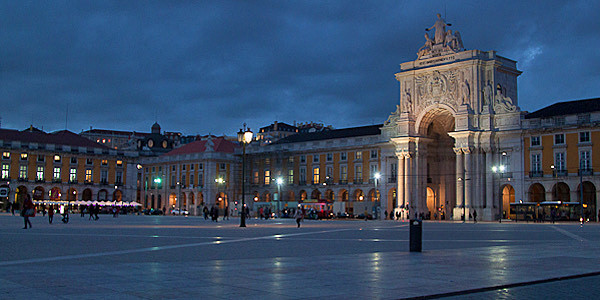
(508, 196)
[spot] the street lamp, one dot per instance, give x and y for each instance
(377, 176)
(279, 182)
(500, 170)
(244, 137)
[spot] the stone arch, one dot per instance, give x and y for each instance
(343, 195)
(302, 195)
(507, 193)
(118, 195)
(183, 200)
(267, 196)
(55, 194)
(431, 203)
(442, 113)
(372, 196)
(537, 193)
(172, 200)
(200, 199)
(20, 195)
(38, 193)
(86, 195)
(192, 201)
(72, 194)
(561, 192)
(159, 201)
(392, 199)
(316, 194)
(358, 195)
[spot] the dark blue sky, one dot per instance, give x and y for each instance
(209, 66)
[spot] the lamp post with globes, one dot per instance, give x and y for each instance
(376, 178)
(244, 137)
(279, 182)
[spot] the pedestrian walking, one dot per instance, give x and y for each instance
(43, 210)
(205, 211)
(299, 216)
(91, 211)
(50, 214)
(226, 213)
(82, 211)
(96, 212)
(385, 216)
(474, 216)
(28, 210)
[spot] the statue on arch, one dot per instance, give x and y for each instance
(440, 30)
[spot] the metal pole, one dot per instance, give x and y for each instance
(243, 218)
(581, 219)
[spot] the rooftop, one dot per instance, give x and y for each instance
(332, 134)
(219, 144)
(62, 137)
(566, 108)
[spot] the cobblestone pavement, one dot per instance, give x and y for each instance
(167, 257)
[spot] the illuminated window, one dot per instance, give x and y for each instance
(88, 175)
(255, 177)
(105, 162)
(290, 176)
(23, 156)
(56, 158)
(316, 175)
(5, 171)
(358, 155)
(73, 175)
(119, 163)
(23, 172)
(5, 155)
(56, 173)
(39, 175)
(267, 177)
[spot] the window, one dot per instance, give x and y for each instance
(267, 161)
(584, 137)
(73, 175)
(329, 156)
(316, 158)
(104, 176)
(559, 139)
(290, 176)
(536, 163)
(191, 168)
(56, 158)
(23, 172)
(343, 156)
(40, 158)
(329, 172)
(6, 155)
(358, 173)
(200, 179)
(153, 169)
(267, 177)
(5, 171)
(119, 163)
(73, 160)
(344, 173)
(559, 161)
(303, 175)
(192, 178)
(23, 156)
(160, 168)
(358, 155)
(373, 170)
(505, 161)
(183, 167)
(39, 175)
(56, 174)
(119, 177)
(89, 161)
(316, 175)
(535, 141)
(173, 180)
(559, 121)
(173, 168)
(373, 153)
(105, 163)
(584, 160)
(302, 158)
(222, 166)
(290, 160)
(88, 175)
(255, 177)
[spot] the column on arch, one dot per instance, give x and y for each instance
(469, 178)
(400, 200)
(489, 195)
(459, 178)
(408, 176)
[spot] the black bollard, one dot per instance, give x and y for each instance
(416, 235)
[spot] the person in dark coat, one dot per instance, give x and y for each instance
(205, 211)
(50, 214)
(215, 214)
(28, 210)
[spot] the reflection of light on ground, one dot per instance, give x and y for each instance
(376, 257)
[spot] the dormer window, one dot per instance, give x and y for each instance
(23, 156)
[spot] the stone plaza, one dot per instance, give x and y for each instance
(169, 257)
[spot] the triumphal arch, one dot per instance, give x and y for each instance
(457, 119)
